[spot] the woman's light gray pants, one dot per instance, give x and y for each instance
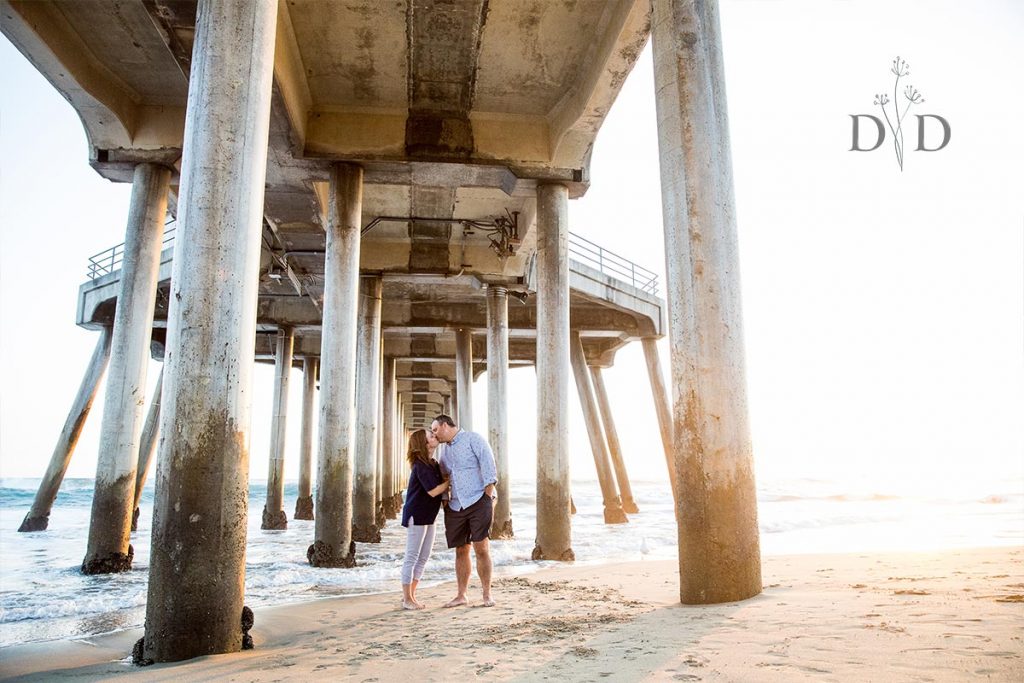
(418, 544)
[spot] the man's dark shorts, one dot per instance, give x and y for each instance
(469, 524)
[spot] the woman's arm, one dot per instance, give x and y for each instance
(438, 490)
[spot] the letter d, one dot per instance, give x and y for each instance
(920, 132)
(856, 132)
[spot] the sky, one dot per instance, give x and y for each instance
(883, 309)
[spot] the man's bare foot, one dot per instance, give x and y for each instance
(457, 601)
(487, 602)
(410, 605)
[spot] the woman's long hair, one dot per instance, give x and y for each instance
(418, 450)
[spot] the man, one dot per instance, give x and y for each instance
(468, 463)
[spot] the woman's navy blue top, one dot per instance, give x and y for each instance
(418, 503)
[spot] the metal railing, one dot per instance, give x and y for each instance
(580, 249)
(611, 264)
(110, 260)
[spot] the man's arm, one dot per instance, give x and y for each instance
(488, 468)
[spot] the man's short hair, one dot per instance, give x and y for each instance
(444, 420)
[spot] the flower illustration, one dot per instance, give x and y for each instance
(899, 69)
(913, 95)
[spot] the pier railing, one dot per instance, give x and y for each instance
(611, 264)
(580, 249)
(110, 260)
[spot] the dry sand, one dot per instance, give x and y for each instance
(939, 616)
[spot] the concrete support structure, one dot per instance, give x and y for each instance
(333, 545)
(497, 405)
(716, 506)
(274, 516)
(38, 516)
(304, 503)
(448, 404)
(147, 446)
(364, 493)
(554, 525)
(390, 439)
(197, 557)
(464, 377)
(113, 500)
(381, 514)
(661, 407)
(613, 513)
(612, 440)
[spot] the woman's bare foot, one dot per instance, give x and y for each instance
(410, 605)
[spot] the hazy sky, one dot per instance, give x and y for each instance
(884, 310)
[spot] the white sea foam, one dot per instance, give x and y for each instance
(43, 595)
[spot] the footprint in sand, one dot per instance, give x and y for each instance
(1011, 598)
(911, 591)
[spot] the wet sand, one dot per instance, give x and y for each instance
(935, 616)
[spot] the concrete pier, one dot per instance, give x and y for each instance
(389, 422)
(661, 407)
(333, 545)
(716, 505)
(147, 446)
(554, 525)
(381, 514)
(197, 557)
(113, 501)
(274, 516)
(613, 513)
(304, 502)
(364, 493)
(497, 405)
(611, 436)
(38, 516)
(464, 377)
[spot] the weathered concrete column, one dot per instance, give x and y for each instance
(464, 377)
(304, 503)
(113, 500)
(333, 545)
(147, 446)
(381, 513)
(661, 407)
(448, 404)
(364, 492)
(197, 557)
(719, 552)
(389, 421)
(554, 525)
(612, 440)
(613, 513)
(274, 516)
(497, 404)
(38, 516)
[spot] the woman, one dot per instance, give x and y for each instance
(422, 502)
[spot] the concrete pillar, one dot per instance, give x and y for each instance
(364, 493)
(274, 516)
(719, 552)
(390, 422)
(333, 545)
(661, 408)
(554, 525)
(197, 556)
(113, 499)
(612, 439)
(38, 516)
(304, 503)
(381, 513)
(497, 405)
(613, 513)
(464, 377)
(147, 447)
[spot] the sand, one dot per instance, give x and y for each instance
(936, 616)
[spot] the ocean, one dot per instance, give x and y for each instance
(43, 596)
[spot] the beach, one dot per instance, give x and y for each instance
(925, 616)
